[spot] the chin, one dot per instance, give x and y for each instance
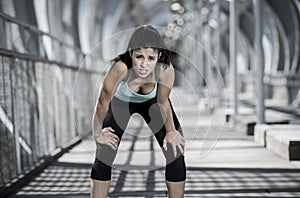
(143, 76)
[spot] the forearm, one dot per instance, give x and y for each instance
(167, 114)
(99, 115)
(117, 72)
(172, 137)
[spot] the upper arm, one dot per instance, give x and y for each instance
(116, 73)
(166, 82)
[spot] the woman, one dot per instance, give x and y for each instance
(139, 81)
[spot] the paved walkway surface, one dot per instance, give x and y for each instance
(220, 162)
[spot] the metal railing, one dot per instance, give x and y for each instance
(40, 109)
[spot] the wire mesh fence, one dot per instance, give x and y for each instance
(40, 109)
(38, 114)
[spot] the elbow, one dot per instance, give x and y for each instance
(164, 106)
(163, 101)
(102, 105)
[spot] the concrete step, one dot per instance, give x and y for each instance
(261, 130)
(284, 142)
(246, 123)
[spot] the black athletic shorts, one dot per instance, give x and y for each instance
(117, 117)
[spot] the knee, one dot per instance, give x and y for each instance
(176, 170)
(105, 154)
(101, 171)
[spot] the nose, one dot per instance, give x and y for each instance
(144, 63)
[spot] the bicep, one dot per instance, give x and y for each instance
(111, 80)
(166, 82)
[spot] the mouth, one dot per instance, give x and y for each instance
(143, 71)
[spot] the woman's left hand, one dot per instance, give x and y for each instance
(176, 140)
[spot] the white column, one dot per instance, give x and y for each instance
(259, 67)
(233, 67)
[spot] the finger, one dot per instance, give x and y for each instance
(165, 145)
(114, 139)
(107, 129)
(115, 145)
(110, 129)
(182, 143)
(115, 142)
(113, 136)
(181, 149)
(111, 145)
(174, 150)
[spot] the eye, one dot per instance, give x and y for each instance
(152, 58)
(139, 56)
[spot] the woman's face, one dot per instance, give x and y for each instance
(144, 61)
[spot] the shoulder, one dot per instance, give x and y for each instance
(166, 77)
(166, 73)
(119, 67)
(117, 72)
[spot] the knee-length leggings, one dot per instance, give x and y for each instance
(117, 117)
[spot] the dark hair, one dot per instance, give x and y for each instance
(145, 36)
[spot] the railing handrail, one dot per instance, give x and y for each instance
(9, 53)
(38, 31)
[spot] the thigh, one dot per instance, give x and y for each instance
(156, 122)
(117, 118)
(175, 166)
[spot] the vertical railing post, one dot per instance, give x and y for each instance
(233, 54)
(218, 53)
(15, 118)
(258, 66)
(199, 46)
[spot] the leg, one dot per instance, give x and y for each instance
(175, 168)
(99, 189)
(117, 117)
(175, 189)
(175, 177)
(100, 177)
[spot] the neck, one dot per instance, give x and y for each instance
(139, 80)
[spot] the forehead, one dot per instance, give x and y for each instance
(147, 51)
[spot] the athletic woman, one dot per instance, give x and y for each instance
(139, 81)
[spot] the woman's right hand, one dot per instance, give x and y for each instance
(108, 137)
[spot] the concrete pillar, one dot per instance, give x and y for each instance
(259, 67)
(218, 54)
(233, 54)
